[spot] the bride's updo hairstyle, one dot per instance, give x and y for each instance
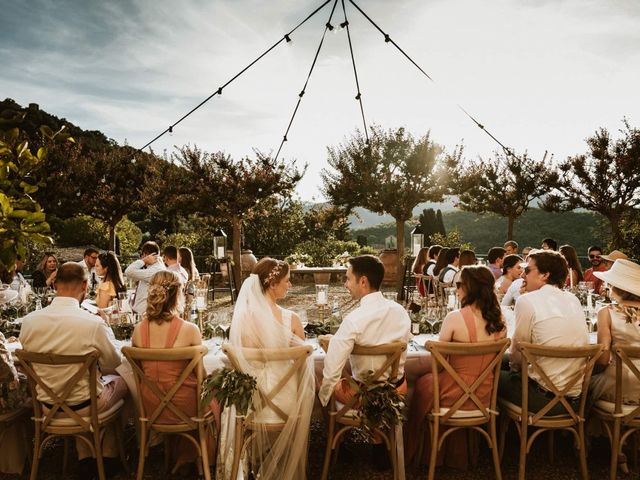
(163, 297)
(270, 271)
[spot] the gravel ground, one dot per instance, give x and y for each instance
(356, 464)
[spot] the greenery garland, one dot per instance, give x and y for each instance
(229, 387)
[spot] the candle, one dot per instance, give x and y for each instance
(589, 302)
(322, 297)
(220, 252)
(571, 278)
(451, 301)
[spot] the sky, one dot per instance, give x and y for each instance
(541, 75)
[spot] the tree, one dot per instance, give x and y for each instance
(391, 173)
(429, 224)
(440, 223)
(505, 186)
(22, 219)
(605, 180)
(236, 190)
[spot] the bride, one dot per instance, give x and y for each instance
(258, 322)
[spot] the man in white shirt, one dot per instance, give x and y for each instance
(170, 254)
(545, 315)
(141, 271)
(88, 263)
(64, 328)
(375, 322)
(448, 273)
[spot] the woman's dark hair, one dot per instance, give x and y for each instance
(420, 260)
(551, 262)
(441, 262)
(434, 250)
(467, 257)
(110, 262)
(479, 290)
(270, 271)
(570, 255)
(187, 262)
(552, 244)
(370, 267)
(509, 262)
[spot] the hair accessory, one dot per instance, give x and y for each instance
(273, 274)
(166, 285)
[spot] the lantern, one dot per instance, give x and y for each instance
(417, 240)
(219, 244)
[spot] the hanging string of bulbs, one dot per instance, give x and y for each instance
(328, 27)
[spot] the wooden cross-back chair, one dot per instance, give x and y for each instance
(12, 419)
(443, 421)
(49, 424)
(620, 421)
(571, 420)
(345, 415)
(246, 424)
(202, 423)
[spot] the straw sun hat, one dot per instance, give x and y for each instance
(614, 255)
(624, 274)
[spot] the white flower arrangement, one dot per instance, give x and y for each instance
(299, 259)
(342, 259)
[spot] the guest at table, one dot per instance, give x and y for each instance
(141, 271)
(597, 265)
(185, 259)
(441, 262)
(418, 266)
(479, 320)
(170, 255)
(446, 275)
(548, 316)
(495, 257)
(375, 322)
(511, 247)
(18, 281)
(575, 275)
(45, 274)
(259, 322)
(618, 324)
(526, 251)
(161, 327)
(549, 244)
(467, 257)
(108, 269)
(612, 256)
(511, 271)
(64, 328)
(434, 254)
(88, 262)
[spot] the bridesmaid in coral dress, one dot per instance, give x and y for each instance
(479, 320)
(162, 328)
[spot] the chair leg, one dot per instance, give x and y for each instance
(434, 448)
(143, 451)
(523, 452)
(65, 456)
(550, 440)
(167, 454)
(204, 452)
(634, 451)
(120, 440)
(97, 445)
(582, 451)
(615, 449)
(392, 452)
(327, 453)
(494, 447)
(237, 447)
(504, 428)
(37, 445)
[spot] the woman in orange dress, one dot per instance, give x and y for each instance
(162, 328)
(479, 320)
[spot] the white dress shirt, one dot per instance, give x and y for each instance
(513, 292)
(375, 322)
(92, 276)
(551, 317)
(137, 272)
(180, 270)
(64, 328)
(450, 274)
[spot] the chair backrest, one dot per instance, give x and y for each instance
(296, 355)
(625, 356)
(529, 363)
(440, 352)
(192, 355)
(87, 365)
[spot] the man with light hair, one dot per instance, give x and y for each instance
(511, 247)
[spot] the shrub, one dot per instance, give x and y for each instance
(323, 253)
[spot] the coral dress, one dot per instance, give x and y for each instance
(165, 374)
(469, 368)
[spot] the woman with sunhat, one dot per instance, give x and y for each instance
(618, 323)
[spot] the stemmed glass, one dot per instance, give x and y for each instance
(304, 320)
(224, 325)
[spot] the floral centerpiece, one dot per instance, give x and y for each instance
(298, 259)
(342, 259)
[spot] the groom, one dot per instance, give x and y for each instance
(375, 322)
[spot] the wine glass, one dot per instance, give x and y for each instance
(304, 320)
(224, 325)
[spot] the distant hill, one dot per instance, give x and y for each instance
(579, 229)
(370, 219)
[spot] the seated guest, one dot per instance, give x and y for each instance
(597, 265)
(549, 316)
(511, 270)
(64, 328)
(618, 324)
(88, 262)
(613, 256)
(495, 257)
(448, 273)
(170, 254)
(18, 279)
(418, 268)
(441, 262)
(549, 244)
(511, 247)
(108, 269)
(434, 253)
(141, 271)
(575, 269)
(375, 322)
(45, 274)
(467, 257)
(525, 252)
(479, 320)
(185, 259)
(162, 328)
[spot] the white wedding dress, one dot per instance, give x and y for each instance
(283, 455)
